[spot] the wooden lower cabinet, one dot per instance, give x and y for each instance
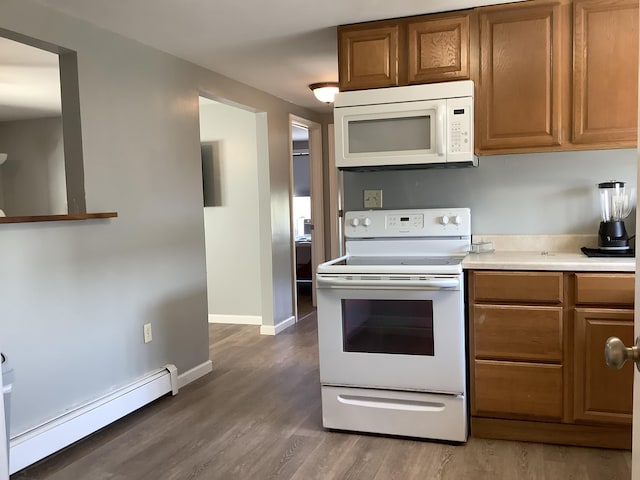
(536, 336)
(615, 290)
(518, 390)
(537, 357)
(601, 394)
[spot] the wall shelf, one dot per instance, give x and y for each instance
(58, 218)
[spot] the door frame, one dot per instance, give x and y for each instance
(317, 202)
(4, 458)
(635, 443)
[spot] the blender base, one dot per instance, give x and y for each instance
(599, 252)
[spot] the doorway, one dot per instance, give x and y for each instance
(301, 216)
(307, 226)
(232, 194)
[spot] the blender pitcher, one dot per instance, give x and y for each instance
(615, 204)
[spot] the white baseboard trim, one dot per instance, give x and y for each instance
(194, 373)
(63, 430)
(236, 319)
(276, 329)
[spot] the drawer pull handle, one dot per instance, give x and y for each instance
(391, 404)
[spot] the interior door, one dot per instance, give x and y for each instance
(4, 460)
(635, 451)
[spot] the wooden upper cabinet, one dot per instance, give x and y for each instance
(438, 48)
(519, 100)
(605, 71)
(368, 55)
(413, 50)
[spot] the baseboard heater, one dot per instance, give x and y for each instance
(39, 442)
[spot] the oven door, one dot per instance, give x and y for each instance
(405, 333)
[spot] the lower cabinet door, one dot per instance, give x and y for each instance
(517, 390)
(601, 394)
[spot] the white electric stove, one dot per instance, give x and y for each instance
(391, 330)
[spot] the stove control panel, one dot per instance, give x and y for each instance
(413, 221)
(439, 222)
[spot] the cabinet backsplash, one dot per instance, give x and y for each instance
(538, 193)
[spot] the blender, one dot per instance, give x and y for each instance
(615, 205)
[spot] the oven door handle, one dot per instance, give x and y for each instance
(429, 283)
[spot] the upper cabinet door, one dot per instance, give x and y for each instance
(368, 56)
(605, 71)
(519, 100)
(438, 48)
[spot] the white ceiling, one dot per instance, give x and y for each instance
(277, 46)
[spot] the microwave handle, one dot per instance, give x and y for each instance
(440, 130)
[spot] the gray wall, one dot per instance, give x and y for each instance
(74, 295)
(551, 193)
(33, 177)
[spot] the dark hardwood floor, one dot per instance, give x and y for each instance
(258, 416)
(305, 301)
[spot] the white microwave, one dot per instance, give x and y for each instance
(405, 127)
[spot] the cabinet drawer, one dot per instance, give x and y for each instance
(605, 289)
(518, 287)
(520, 390)
(504, 332)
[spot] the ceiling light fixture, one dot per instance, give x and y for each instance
(3, 158)
(325, 91)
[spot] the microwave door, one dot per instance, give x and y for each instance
(384, 135)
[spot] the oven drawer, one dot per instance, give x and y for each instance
(518, 287)
(505, 332)
(412, 414)
(518, 390)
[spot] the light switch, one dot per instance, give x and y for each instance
(373, 199)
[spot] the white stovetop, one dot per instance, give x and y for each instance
(543, 252)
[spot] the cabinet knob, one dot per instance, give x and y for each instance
(616, 353)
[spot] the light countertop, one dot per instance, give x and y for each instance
(561, 261)
(544, 252)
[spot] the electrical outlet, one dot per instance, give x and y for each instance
(148, 336)
(373, 199)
